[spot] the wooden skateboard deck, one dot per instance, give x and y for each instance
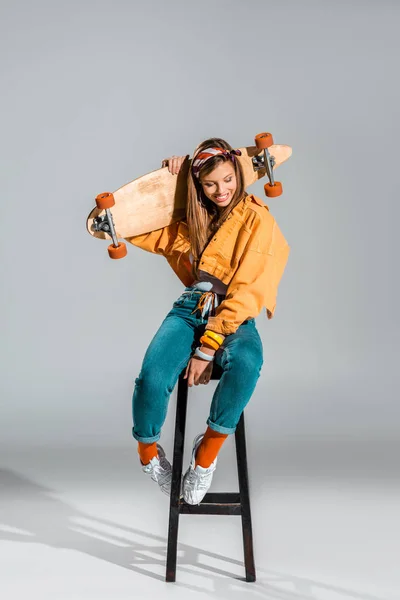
(158, 199)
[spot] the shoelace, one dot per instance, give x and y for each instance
(164, 463)
(198, 478)
(163, 470)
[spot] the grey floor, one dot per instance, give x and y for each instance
(83, 523)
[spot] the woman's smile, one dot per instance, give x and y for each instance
(222, 197)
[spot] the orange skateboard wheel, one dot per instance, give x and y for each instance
(272, 191)
(105, 200)
(117, 252)
(264, 140)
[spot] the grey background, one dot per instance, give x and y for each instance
(95, 94)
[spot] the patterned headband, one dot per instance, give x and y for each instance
(204, 155)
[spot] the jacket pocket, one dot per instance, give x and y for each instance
(232, 248)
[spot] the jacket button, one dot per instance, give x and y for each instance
(215, 239)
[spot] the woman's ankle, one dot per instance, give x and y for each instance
(147, 452)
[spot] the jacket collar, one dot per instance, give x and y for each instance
(242, 206)
(257, 201)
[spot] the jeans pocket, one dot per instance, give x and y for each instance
(181, 300)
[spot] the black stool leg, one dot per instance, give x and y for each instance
(180, 424)
(228, 505)
(240, 441)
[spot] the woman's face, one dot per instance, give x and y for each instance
(220, 185)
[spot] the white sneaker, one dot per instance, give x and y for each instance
(160, 470)
(197, 481)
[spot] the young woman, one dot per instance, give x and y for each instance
(233, 258)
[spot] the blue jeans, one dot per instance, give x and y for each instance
(169, 352)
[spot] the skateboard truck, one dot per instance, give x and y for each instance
(263, 141)
(260, 164)
(105, 223)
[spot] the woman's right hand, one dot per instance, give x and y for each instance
(173, 163)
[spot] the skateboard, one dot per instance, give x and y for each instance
(158, 199)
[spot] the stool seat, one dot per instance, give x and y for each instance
(213, 503)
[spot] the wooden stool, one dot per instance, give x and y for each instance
(219, 503)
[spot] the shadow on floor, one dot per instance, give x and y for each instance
(30, 514)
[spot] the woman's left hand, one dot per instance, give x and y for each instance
(174, 163)
(198, 371)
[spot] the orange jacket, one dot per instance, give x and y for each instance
(248, 253)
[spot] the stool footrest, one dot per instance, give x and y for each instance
(214, 503)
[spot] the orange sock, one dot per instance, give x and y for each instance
(147, 452)
(209, 447)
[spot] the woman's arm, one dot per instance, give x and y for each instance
(160, 241)
(255, 281)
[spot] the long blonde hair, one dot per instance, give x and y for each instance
(202, 215)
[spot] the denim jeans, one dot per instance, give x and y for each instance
(169, 352)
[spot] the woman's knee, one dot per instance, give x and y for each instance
(247, 358)
(157, 380)
(150, 381)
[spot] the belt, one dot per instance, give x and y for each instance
(208, 301)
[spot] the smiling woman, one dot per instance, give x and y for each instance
(242, 255)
